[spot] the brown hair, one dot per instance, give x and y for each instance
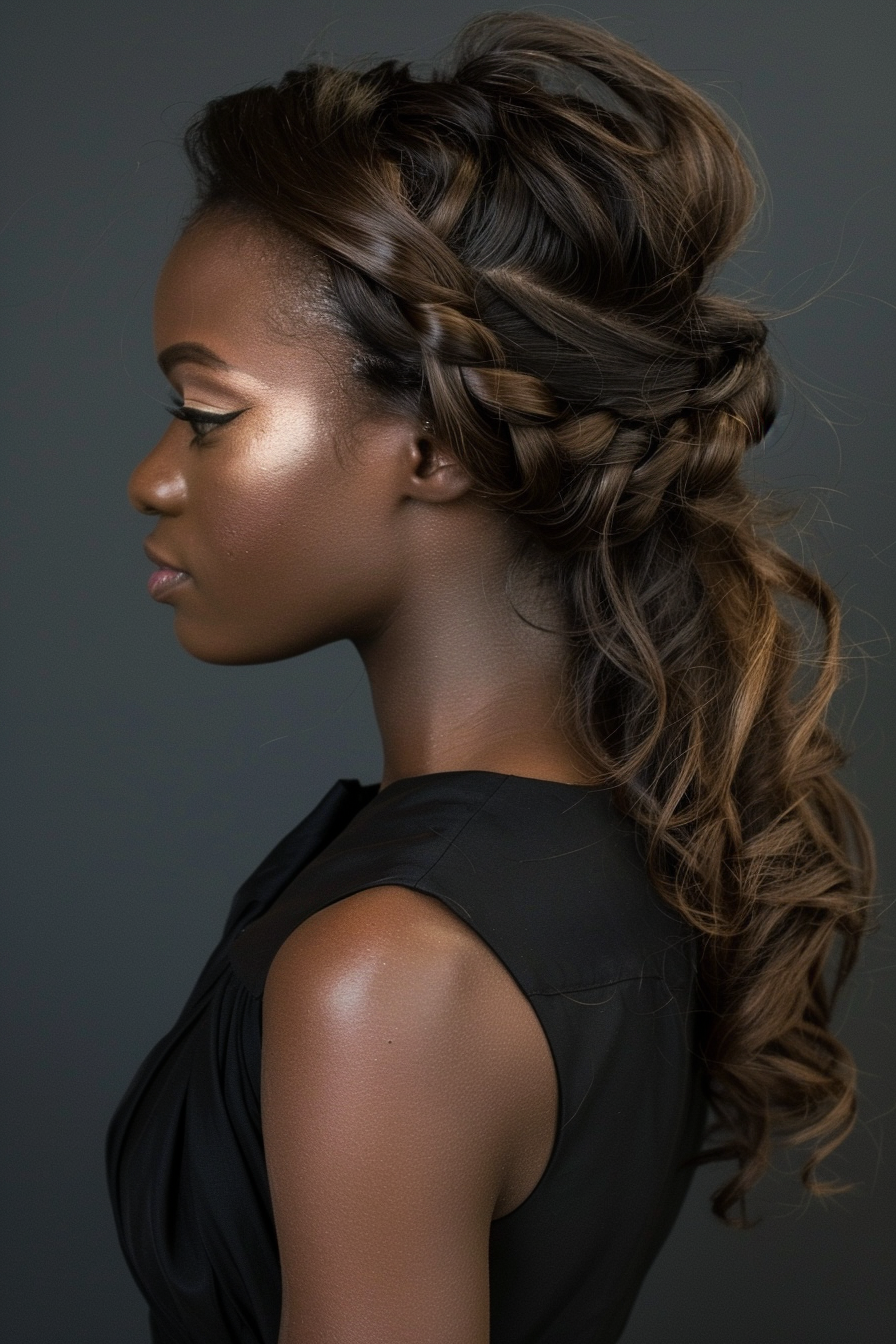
(521, 247)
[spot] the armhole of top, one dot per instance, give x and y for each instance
(456, 910)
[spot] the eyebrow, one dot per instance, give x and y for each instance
(189, 352)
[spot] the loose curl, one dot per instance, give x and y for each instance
(521, 248)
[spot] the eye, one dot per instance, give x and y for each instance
(201, 422)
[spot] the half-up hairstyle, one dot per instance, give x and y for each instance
(521, 247)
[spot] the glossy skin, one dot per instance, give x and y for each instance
(408, 1092)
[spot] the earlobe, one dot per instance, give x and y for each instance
(438, 477)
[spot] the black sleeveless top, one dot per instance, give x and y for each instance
(549, 876)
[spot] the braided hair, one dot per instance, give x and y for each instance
(521, 248)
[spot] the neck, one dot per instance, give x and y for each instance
(460, 681)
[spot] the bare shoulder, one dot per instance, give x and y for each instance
(401, 1005)
(397, 1072)
(389, 943)
(391, 968)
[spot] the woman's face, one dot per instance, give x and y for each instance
(286, 520)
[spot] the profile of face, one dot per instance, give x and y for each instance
(297, 509)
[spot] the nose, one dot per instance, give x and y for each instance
(158, 484)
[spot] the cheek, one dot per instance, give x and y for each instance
(257, 498)
(292, 548)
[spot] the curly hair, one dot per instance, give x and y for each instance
(521, 246)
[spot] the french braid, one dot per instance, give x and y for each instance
(522, 248)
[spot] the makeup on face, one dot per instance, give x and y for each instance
(272, 486)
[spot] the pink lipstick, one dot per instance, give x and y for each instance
(162, 581)
(166, 577)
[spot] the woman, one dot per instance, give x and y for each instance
(451, 384)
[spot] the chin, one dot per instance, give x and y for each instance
(228, 648)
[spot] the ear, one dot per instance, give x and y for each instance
(436, 476)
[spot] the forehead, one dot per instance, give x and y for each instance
(237, 287)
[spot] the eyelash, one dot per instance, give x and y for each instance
(196, 418)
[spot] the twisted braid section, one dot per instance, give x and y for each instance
(408, 227)
(678, 425)
(522, 248)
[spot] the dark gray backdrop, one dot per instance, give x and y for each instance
(142, 786)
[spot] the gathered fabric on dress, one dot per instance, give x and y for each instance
(551, 878)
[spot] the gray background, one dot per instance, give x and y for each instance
(142, 786)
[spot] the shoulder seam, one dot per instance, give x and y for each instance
(411, 884)
(596, 984)
(459, 832)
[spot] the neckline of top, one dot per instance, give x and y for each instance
(497, 775)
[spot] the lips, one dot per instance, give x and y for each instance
(166, 576)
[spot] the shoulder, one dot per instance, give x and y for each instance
(385, 1009)
(389, 1027)
(378, 952)
(386, 1134)
(400, 1057)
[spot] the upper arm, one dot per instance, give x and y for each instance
(387, 1108)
